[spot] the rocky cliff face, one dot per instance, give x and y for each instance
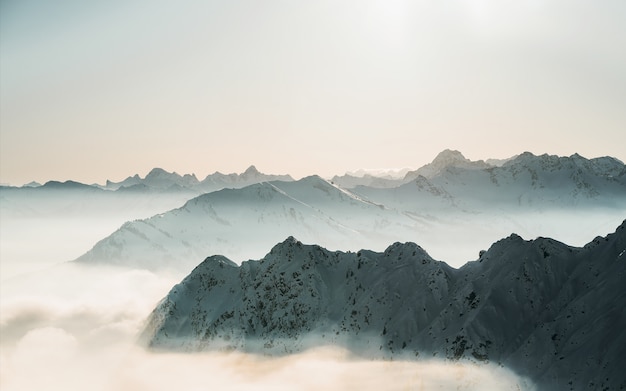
(547, 310)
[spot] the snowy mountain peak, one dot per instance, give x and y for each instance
(285, 245)
(577, 156)
(548, 311)
(407, 249)
(219, 260)
(291, 241)
(158, 172)
(443, 161)
(161, 180)
(576, 166)
(447, 157)
(530, 160)
(313, 179)
(251, 171)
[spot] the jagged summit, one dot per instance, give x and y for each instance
(252, 170)
(451, 166)
(289, 242)
(406, 249)
(448, 156)
(218, 260)
(159, 172)
(540, 307)
(443, 161)
(316, 210)
(162, 180)
(286, 246)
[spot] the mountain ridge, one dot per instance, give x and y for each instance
(547, 310)
(310, 207)
(320, 211)
(160, 179)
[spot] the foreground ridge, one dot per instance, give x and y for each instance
(549, 311)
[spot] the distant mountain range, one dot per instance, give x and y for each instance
(136, 197)
(544, 181)
(449, 168)
(451, 163)
(443, 161)
(468, 203)
(159, 179)
(551, 312)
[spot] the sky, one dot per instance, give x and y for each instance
(91, 91)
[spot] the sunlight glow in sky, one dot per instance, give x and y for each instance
(101, 90)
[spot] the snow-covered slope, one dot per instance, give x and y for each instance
(569, 198)
(243, 222)
(527, 181)
(66, 219)
(76, 200)
(551, 312)
(443, 161)
(349, 181)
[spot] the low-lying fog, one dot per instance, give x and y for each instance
(71, 327)
(38, 230)
(75, 328)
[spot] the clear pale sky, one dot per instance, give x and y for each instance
(91, 91)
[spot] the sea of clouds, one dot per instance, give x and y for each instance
(71, 327)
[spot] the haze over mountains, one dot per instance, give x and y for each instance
(159, 179)
(526, 180)
(549, 311)
(160, 227)
(471, 204)
(67, 218)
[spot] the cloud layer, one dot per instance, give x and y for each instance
(73, 328)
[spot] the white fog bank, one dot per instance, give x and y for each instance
(74, 328)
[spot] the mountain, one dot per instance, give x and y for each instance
(456, 175)
(250, 176)
(70, 200)
(66, 219)
(156, 179)
(160, 180)
(262, 213)
(67, 185)
(570, 198)
(551, 312)
(372, 178)
(443, 161)
(349, 181)
(527, 181)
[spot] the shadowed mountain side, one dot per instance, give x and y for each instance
(549, 311)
